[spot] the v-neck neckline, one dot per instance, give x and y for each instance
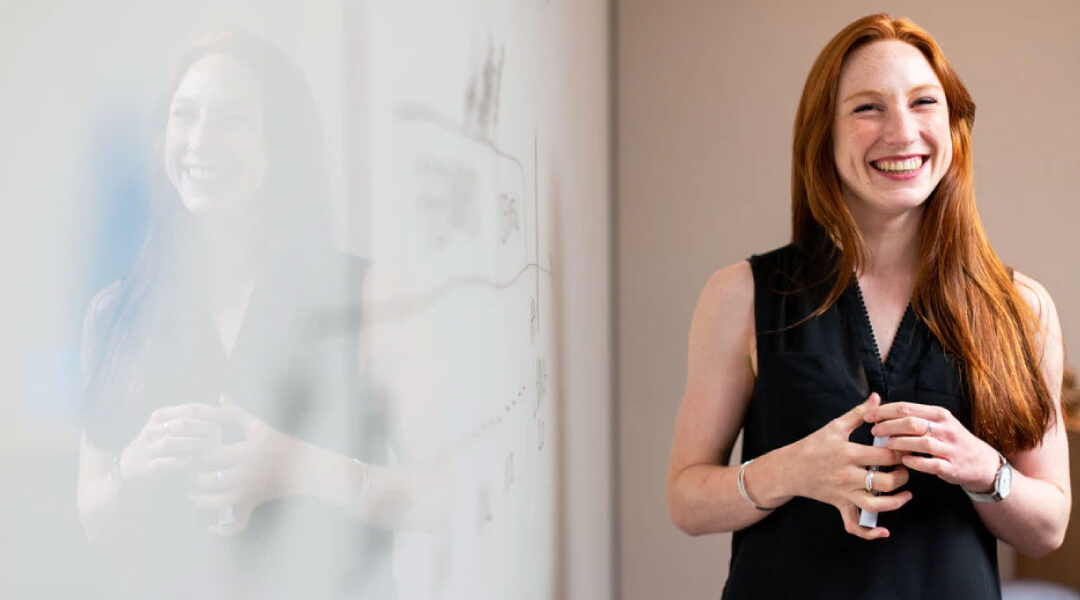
(868, 329)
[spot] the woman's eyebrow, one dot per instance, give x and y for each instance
(879, 93)
(926, 86)
(876, 93)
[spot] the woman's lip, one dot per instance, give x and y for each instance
(900, 157)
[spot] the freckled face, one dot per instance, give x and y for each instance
(891, 137)
(215, 148)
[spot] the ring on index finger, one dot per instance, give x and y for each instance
(929, 428)
(869, 480)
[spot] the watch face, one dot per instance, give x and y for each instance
(1004, 481)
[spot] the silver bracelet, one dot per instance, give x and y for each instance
(742, 488)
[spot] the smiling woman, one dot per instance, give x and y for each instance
(215, 146)
(230, 448)
(883, 112)
(897, 386)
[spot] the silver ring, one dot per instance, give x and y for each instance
(869, 480)
(929, 427)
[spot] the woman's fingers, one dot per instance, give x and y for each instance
(168, 464)
(221, 456)
(850, 514)
(179, 447)
(890, 481)
(192, 411)
(852, 419)
(207, 430)
(879, 504)
(900, 410)
(215, 480)
(922, 443)
(930, 465)
(872, 456)
(909, 426)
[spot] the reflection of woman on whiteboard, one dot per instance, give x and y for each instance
(229, 449)
(889, 321)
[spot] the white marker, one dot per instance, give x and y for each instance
(867, 518)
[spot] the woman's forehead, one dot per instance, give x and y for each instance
(886, 63)
(220, 79)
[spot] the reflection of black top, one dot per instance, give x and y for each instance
(293, 366)
(810, 374)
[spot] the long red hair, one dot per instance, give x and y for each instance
(963, 292)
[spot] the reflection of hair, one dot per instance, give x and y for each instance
(963, 292)
(291, 214)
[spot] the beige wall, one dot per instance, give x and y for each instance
(579, 184)
(706, 96)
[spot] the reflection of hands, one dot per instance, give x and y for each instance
(832, 470)
(956, 455)
(245, 474)
(172, 439)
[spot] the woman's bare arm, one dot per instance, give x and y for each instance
(1034, 516)
(703, 494)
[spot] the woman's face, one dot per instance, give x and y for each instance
(215, 147)
(891, 135)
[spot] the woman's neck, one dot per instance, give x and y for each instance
(892, 243)
(226, 260)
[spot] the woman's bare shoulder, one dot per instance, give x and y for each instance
(723, 322)
(731, 287)
(1035, 294)
(1042, 305)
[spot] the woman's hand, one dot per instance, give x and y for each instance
(241, 476)
(833, 470)
(955, 454)
(172, 439)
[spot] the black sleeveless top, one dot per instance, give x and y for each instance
(294, 367)
(810, 374)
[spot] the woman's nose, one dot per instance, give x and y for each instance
(202, 133)
(901, 128)
(197, 135)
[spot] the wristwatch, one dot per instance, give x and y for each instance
(1002, 484)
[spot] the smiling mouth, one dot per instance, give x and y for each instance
(205, 173)
(901, 166)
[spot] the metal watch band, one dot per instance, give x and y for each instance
(994, 495)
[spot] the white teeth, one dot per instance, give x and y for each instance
(899, 166)
(201, 173)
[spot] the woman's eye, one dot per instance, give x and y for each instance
(864, 108)
(922, 101)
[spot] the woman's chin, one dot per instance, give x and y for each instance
(202, 205)
(895, 202)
